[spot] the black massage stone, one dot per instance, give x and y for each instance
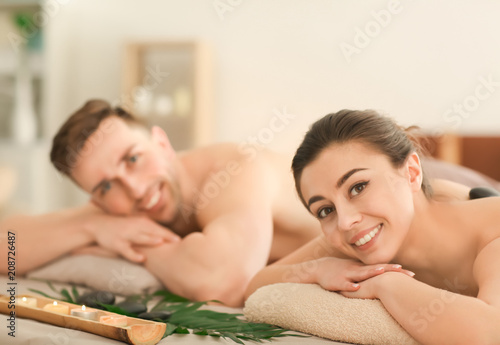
(482, 192)
(132, 307)
(162, 315)
(91, 299)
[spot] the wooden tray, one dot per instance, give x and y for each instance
(137, 331)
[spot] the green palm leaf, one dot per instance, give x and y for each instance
(187, 317)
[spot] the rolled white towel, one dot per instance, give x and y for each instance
(310, 309)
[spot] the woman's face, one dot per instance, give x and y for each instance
(364, 204)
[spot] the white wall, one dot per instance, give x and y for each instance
(286, 54)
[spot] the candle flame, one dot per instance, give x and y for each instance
(55, 303)
(24, 299)
(83, 307)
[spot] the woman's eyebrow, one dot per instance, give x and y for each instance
(313, 199)
(340, 182)
(347, 175)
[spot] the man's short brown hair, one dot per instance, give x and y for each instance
(73, 134)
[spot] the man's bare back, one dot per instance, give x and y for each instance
(217, 168)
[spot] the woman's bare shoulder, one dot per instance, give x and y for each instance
(445, 190)
(483, 218)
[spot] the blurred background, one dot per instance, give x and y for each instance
(236, 70)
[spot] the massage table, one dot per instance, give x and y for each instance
(31, 332)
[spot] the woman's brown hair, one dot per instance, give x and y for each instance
(367, 126)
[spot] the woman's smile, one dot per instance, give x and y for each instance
(366, 239)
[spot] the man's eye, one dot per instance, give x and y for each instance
(358, 188)
(133, 159)
(325, 211)
(105, 187)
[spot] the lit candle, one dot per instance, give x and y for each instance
(114, 320)
(85, 313)
(57, 308)
(27, 302)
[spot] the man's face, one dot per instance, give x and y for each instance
(128, 171)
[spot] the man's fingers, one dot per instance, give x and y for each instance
(128, 253)
(149, 239)
(170, 236)
(95, 250)
(165, 234)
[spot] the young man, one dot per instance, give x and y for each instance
(204, 221)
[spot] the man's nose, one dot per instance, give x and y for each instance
(134, 185)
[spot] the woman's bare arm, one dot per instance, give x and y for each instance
(318, 263)
(435, 316)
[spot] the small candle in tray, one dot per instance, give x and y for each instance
(57, 308)
(85, 313)
(114, 320)
(27, 302)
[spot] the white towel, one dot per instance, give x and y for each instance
(310, 309)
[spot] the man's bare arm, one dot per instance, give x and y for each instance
(219, 262)
(215, 264)
(43, 238)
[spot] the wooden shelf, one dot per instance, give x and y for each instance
(175, 72)
(137, 331)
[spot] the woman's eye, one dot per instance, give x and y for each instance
(325, 211)
(358, 188)
(133, 159)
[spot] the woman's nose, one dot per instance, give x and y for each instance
(348, 216)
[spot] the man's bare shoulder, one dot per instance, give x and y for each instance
(217, 156)
(234, 179)
(245, 150)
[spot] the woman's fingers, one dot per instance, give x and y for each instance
(348, 293)
(365, 272)
(409, 273)
(362, 273)
(350, 286)
(347, 275)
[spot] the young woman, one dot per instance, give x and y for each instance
(435, 265)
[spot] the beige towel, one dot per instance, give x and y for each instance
(310, 309)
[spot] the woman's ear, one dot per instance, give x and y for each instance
(414, 171)
(160, 137)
